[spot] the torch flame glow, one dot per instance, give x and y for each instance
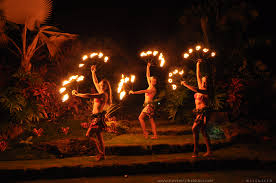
(175, 71)
(93, 54)
(198, 47)
(122, 94)
(126, 79)
(81, 65)
(80, 78)
(61, 90)
(160, 56)
(73, 77)
(181, 72)
(65, 82)
(132, 78)
(205, 50)
(106, 59)
(143, 54)
(155, 53)
(100, 55)
(174, 87)
(170, 74)
(213, 54)
(162, 62)
(170, 80)
(190, 50)
(84, 57)
(149, 52)
(65, 97)
(186, 55)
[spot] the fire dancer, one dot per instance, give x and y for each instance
(148, 110)
(201, 111)
(102, 100)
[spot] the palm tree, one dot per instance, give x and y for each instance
(37, 36)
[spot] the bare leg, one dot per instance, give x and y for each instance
(142, 123)
(101, 155)
(206, 138)
(153, 127)
(195, 130)
(97, 144)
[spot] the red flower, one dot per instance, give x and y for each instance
(38, 132)
(3, 145)
(65, 130)
(84, 125)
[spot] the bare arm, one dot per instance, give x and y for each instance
(194, 89)
(94, 77)
(87, 95)
(141, 91)
(148, 73)
(198, 76)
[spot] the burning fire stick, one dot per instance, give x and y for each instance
(123, 85)
(78, 78)
(175, 77)
(150, 56)
(199, 53)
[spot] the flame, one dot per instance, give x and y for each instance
(186, 55)
(61, 90)
(175, 71)
(181, 72)
(155, 53)
(190, 50)
(213, 54)
(162, 62)
(100, 55)
(84, 57)
(106, 59)
(80, 78)
(122, 94)
(149, 52)
(170, 80)
(174, 87)
(160, 56)
(65, 97)
(132, 78)
(73, 77)
(126, 79)
(143, 54)
(198, 47)
(205, 50)
(65, 82)
(93, 54)
(123, 76)
(81, 65)
(170, 74)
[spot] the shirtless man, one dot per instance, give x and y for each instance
(201, 102)
(102, 100)
(148, 104)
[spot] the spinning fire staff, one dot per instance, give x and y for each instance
(97, 58)
(124, 85)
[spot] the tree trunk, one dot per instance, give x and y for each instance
(203, 23)
(26, 64)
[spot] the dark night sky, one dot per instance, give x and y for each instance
(133, 25)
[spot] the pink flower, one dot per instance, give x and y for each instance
(84, 125)
(65, 130)
(3, 146)
(38, 132)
